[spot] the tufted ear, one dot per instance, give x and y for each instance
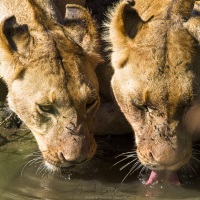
(62, 3)
(193, 23)
(81, 27)
(14, 43)
(123, 24)
(14, 37)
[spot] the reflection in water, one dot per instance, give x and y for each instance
(95, 180)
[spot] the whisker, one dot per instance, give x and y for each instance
(139, 166)
(143, 168)
(127, 153)
(195, 151)
(183, 168)
(121, 160)
(128, 164)
(40, 168)
(132, 168)
(192, 168)
(30, 162)
(45, 171)
(39, 162)
(195, 159)
(28, 156)
(36, 153)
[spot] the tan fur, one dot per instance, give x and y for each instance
(62, 3)
(156, 77)
(48, 64)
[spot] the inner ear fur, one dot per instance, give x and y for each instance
(14, 37)
(193, 26)
(123, 24)
(131, 21)
(193, 23)
(81, 27)
(14, 44)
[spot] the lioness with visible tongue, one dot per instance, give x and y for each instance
(156, 81)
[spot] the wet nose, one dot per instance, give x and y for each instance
(166, 158)
(63, 159)
(151, 156)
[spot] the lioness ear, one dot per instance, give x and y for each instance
(123, 24)
(14, 42)
(81, 27)
(193, 23)
(14, 37)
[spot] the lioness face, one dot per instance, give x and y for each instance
(53, 88)
(58, 104)
(58, 109)
(156, 78)
(156, 112)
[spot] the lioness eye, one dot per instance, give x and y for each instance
(91, 105)
(142, 107)
(46, 108)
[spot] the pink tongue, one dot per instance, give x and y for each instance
(163, 176)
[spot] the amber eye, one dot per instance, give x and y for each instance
(46, 108)
(91, 105)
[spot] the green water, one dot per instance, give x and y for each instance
(96, 180)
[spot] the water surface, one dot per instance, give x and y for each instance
(19, 179)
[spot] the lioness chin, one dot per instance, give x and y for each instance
(156, 81)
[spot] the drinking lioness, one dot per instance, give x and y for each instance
(156, 81)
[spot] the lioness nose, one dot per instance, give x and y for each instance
(151, 155)
(63, 159)
(166, 158)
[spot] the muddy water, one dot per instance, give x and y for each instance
(21, 179)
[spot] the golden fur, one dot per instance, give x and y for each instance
(48, 64)
(156, 79)
(62, 3)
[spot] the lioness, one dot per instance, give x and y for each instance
(48, 64)
(156, 81)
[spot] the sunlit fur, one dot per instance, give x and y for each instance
(50, 62)
(156, 76)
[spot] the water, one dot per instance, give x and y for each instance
(96, 180)
(21, 180)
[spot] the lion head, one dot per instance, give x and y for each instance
(156, 78)
(48, 64)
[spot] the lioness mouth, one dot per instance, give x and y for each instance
(163, 176)
(54, 168)
(57, 166)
